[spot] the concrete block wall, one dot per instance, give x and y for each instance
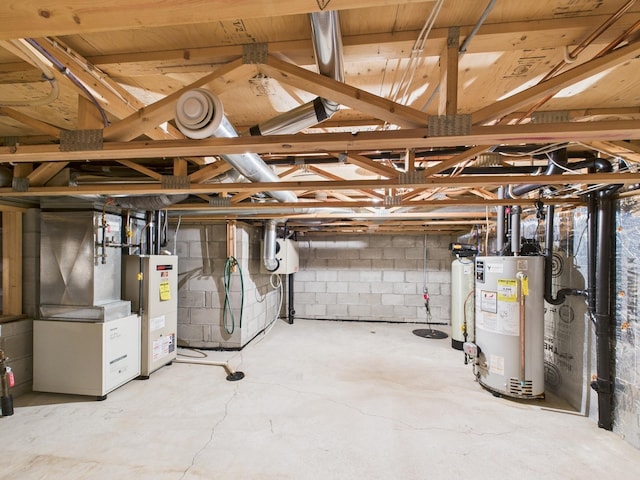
(373, 278)
(202, 255)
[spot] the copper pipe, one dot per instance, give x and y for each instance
(621, 38)
(581, 47)
(522, 277)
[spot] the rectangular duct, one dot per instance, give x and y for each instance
(78, 269)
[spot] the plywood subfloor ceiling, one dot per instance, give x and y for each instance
(441, 103)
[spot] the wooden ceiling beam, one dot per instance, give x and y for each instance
(448, 182)
(456, 159)
(112, 97)
(422, 206)
(344, 94)
(327, 142)
(141, 169)
(21, 19)
(627, 150)
(372, 166)
(448, 95)
(153, 115)
(547, 33)
(209, 172)
(39, 125)
(331, 176)
(555, 84)
(45, 172)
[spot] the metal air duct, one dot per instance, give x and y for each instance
(199, 114)
(269, 251)
(327, 47)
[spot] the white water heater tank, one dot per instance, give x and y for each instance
(510, 325)
(462, 301)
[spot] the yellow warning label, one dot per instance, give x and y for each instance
(525, 286)
(507, 290)
(165, 292)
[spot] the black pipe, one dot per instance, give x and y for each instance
(561, 295)
(399, 157)
(592, 247)
(149, 233)
(557, 160)
(603, 312)
(157, 235)
(290, 304)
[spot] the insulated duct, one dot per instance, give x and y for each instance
(199, 114)
(327, 47)
(269, 248)
(149, 203)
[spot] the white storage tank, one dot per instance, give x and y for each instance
(509, 325)
(462, 301)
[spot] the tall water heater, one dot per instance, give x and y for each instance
(509, 325)
(462, 301)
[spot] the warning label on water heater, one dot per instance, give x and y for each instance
(508, 313)
(488, 301)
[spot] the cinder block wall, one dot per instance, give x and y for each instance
(373, 278)
(202, 255)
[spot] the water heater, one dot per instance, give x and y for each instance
(509, 325)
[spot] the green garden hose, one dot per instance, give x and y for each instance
(228, 310)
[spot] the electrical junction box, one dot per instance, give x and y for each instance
(287, 257)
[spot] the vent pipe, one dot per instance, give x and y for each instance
(327, 47)
(199, 114)
(269, 248)
(500, 223)
(516, 221)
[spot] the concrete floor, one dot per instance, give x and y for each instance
(321, 400)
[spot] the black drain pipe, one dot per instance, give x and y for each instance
(592, 252)
(603, 311)
(600, 277)
(290, 304)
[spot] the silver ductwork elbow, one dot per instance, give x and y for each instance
(269, 246)
(298, 119)
(149, 202)
(199, 114)
(327, 47)
(327, 44)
